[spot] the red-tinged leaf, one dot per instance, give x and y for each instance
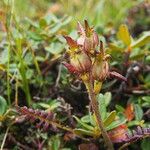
(72, 43)
(114, 74)
(71, 68)
(89, 146)
(118, 134)
(129, 112)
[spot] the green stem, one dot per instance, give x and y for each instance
(95, 108)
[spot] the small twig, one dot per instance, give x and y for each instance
(59, 75)
(4, 139)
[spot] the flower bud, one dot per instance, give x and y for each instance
(81, 62)
(88, 45)
(100, 70)
(88, 38)
(95, 39)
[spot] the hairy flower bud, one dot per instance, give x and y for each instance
(88, 38)
(81, 62)
(100, 70)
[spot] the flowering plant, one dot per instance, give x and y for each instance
(88, 60)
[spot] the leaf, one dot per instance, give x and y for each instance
(118, 134)
(3, 105)
(124, 35)
(102, 106)
(145, 39)
(83, 124)
(114, 47)
(51, 106)
(83, 131)
(145, 145)
(138, 112)
(107, 97)
(133, 123)
(2, 67)
(55, 48)
(129, 112)
(86, 119)
(120, 108)
(55, 143)
(42, 23)
(120, 121)
(111, 117)
(146, 99)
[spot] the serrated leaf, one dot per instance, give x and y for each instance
(3, 105)
(110, 118)
(124, 35)
(138, 112)
(86, 126)
(142, 41)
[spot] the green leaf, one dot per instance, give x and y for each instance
(111, 117)
(55, 143)
(146, 99)
(145, 39)
(51, 105)
(133, 123)
(114, 47)
(3, 105)
(107, 98)
(120, 108)
(102, 106)
(85, 132)
(89, 119)
(83, 124)
(138, 112)
(42, 23)
(145, 145)
(55, 48)
(117, 123)
(124, 35)
(86, 119)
